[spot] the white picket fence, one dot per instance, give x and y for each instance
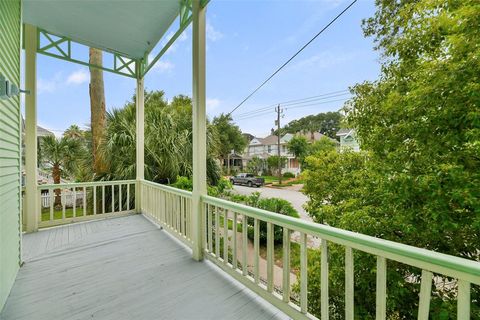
(68, 196)
(84, 201)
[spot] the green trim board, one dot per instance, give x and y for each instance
(129, 30)
(10, 153)
(150, 64)
(122, 65)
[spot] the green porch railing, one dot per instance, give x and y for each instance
(224, 243)
(169, 207)
(172, 208)
(466, 272)
(74, 202)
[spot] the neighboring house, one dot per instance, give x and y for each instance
(43, 177)
(234, 161)
(41, 132)
(348, 139)
(267, 147)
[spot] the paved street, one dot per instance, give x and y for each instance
(292, 194)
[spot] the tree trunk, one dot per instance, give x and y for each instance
(97, 109)
(56, 180)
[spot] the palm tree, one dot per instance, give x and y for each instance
(168, 141)
(61, 154)
(97, 109)
(73, 132)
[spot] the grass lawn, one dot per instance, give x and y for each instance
(57, 214)
(270, 179)
(286, 182)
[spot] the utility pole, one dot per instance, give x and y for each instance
(228, 164)
(279, 112)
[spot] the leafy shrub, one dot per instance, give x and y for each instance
(183, 183)
(289, 175)
(240, 198)
(276, 205)
(222, 188)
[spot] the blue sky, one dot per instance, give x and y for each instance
(246, 42)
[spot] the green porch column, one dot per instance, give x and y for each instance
(199, 129)
(31, 206)
(140, 139)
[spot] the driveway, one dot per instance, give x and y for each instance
(291, 194)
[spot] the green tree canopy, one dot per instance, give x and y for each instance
(230, 136)
(323, 145)
(298, 146)
(74, 132)
(276, 162)
(327, 123)
(418, 181)
(255, 165)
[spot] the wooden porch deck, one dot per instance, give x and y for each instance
(123, 268)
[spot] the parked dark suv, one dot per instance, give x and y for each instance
(248, 179)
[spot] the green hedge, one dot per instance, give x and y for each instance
(277, 205)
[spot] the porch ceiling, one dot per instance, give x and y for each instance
(129, 27)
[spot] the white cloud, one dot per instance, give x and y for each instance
(78, 77)
(49, 85)
(212, 104)
(162, 65)
(212, 33)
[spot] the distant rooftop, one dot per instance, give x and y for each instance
(316, 136)
(41, 132)
(344, 131)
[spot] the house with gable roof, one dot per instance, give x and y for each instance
(348, 139)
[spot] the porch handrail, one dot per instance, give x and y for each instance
(172, 208)
(180, 192)
(417, 257)
(221, 248)
(83, 201)
(83, 184)
(169, 207)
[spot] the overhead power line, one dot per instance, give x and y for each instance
(254, 115)
(317, 99)
(316, 103)
(298, 101)
(295, 102)
(317, 96)
(292, 57)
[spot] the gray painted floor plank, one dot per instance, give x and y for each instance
(123, 268)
